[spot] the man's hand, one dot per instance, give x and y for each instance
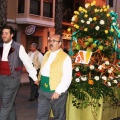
(55, 96)
(36, 82)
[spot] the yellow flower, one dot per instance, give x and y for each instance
(85, 15)
(108, 15)
(76, 26)
(101, 10)
(106, 31)
(93, 3)
(94, 18)
(105, 9)
(118, 25)
(76, 12)
(68, 29)
(112, 30)
(104, 6)
(85, 29)
(96, 10)
(80, 8)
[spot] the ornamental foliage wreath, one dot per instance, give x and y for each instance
(95, 54)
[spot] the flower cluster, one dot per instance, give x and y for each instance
(94, 31)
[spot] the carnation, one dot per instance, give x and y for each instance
(92, 67)
(108, 83)
(109, 71)
(88, 22)
(90, 19)
(82, 21)
(102, 22)
(77, 80)
(107, 62)
(77, 69)
(115, 81)
(96, 78)
(97, 28)
(100, 67)
(104, 77)
(83, 78)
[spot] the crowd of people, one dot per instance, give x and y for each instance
(50, 76)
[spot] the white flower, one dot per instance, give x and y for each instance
(86, 5)
(113, 18)
(83, 78)
(104, 77)
(102, 22)
(77, 69)
(73, 19)
(92, 67)
(109, 71)
(82, 21)
(96, 78)
(90, 19)
(97, 28)
(118, 75)
(77, 80)
(115, 81)
(109, 84)
(114, 23)
(107, 62)
(100, 67)
(88, 22)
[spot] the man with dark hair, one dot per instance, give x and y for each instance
(55, 79)
(36, 58)
(12, 58)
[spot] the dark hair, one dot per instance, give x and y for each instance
(35, 45)
(10, 28)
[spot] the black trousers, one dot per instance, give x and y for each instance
(45, 103)
(33, 87)
(8, 90)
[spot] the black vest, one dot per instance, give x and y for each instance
(13, 58)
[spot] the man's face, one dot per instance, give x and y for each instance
(6, 36)
(54, 43)
(32, 48)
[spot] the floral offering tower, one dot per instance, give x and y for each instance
(95, 52)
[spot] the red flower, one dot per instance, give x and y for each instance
(78, 74)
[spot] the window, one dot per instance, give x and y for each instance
(21, 4)
(35, 7)
(48, 8)
(111, 3)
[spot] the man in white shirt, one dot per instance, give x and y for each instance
(55, 79)
(36, 58)
(12, 58)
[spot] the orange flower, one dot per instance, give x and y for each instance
(90, 82)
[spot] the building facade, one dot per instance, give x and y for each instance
(33, 21)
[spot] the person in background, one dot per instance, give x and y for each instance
(55, 79)
(36, 58)
(12, 58)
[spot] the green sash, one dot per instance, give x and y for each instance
(44, 84)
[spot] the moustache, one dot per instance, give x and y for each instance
(51, 45)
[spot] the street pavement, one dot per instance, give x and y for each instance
(26, 110)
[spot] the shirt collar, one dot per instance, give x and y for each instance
(8, 44)
(55, 52)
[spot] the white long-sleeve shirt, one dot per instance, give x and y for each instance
(67, 72)
(23, 57)
(40, 57)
